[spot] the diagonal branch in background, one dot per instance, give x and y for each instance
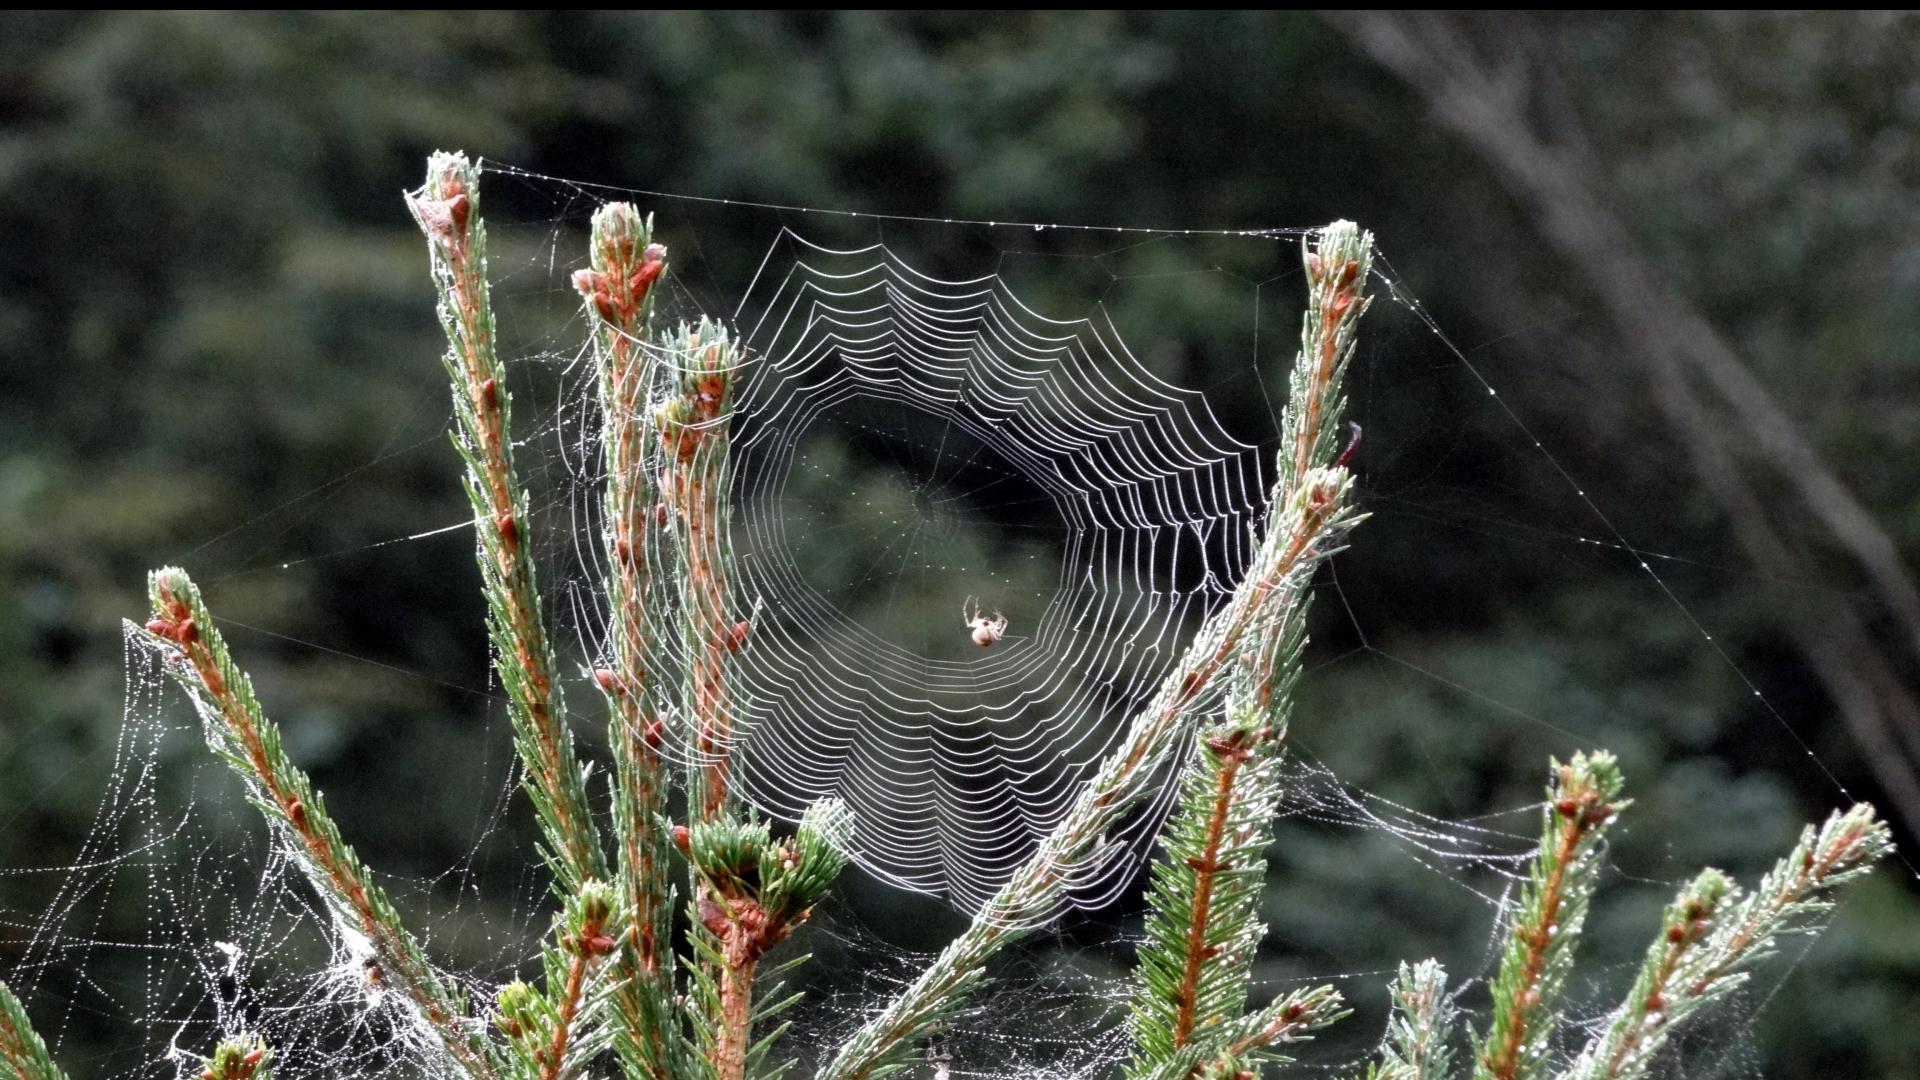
(1306, 520)
(237, 730)
(617, 289)
(1433, 59)
(1671, 339)
(448, 210)
(1841, 650)
(1827, 630)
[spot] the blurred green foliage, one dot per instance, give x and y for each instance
(216, 349)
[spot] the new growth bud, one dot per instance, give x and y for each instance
(592, 909)
(236, 1059)
(616, 287)
(516, 1009)
(444, 206)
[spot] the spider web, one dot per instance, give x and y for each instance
(912, 436)
(1029, 465)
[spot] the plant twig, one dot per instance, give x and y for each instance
(1206, 868)
(693, 425)
(1287, 1020)
(732, 929)
(1416, 1043)
(557, 1033)
(753, 892)
(1254, 1040)
(239, 732)
(1583, 801)
(1712, 934)
(448, 210)
(617, 289)
(1203, 925)
(1633, 1035)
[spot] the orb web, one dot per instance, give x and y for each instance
(907, 451)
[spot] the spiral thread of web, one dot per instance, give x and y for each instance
(955, 757)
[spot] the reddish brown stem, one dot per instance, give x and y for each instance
(345, 882)
(746, 931)
(616, 295)
(1206, 867)
(1504, 1061)
(1340, 291)
(555, 1054)
(709, 673)
(736, 1021)
(530, 653)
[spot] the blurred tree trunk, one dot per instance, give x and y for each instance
(1497, 111)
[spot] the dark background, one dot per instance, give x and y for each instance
(216, 348)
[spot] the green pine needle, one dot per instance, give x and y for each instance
(1539, 952)
(21, 1049)
(1711, 935)
(447, 208)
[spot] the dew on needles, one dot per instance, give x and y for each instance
(727, 653)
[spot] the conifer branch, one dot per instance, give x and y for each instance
(1203, 925)
(1419, 1029)
(693, 424)
(1417, 1033)
(1213, 864)
(448, 210)
(1288, 1020)
(1250, 1041)
(21, 1049)
(626, 266)
(555, 1034)
(753, 892)
(239, 732)
(1583, 801)
(1711, 934)
(1844, 847)
(1307, 518)
(239, 1059)
(731, 930)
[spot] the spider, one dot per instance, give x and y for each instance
(985, 631)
